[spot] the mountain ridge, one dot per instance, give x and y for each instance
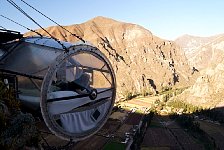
(147, 62)
(193, 48)
(208, 89)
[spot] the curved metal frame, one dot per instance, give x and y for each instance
(51, 124)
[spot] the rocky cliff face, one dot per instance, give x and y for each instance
(141, 60)
(208, 89)
(201, 51)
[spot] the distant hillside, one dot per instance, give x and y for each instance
(189, 41)
(141, 60)
(208, 89)
(199, 50)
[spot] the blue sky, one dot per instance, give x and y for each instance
(167, 19)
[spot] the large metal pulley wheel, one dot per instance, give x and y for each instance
(78, 93)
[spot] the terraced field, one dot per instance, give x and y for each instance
(140, 103)
(163, 133)
(215, 131)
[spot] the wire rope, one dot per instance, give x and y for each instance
(24, 13)
(53, 21)
(3, 27)
(21, 25)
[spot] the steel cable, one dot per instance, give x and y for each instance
(24, 13)
(53, 21)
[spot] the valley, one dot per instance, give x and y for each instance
(169, 93)
(126, 128)
(180, 77)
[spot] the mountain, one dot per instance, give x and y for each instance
(208, 89)
(189, 41)
(199, 50)
(141, 60)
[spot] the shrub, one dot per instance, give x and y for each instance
(166, 88)
(16, 128)
(189, 108)
(188, 123)
(20, 131)
(128, 95)
(7, 95)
